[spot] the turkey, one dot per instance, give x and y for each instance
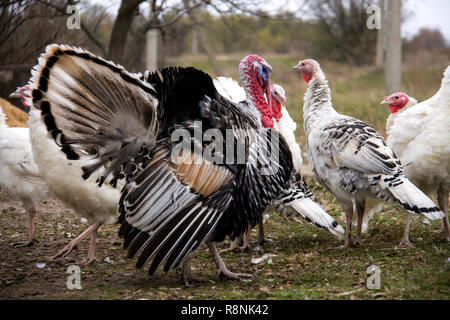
(19, 174)
(351, 159)
(285, 124)
(298, 198)
(177, 194)
(419, 135)
(63, 178)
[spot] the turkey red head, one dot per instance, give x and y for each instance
(254, 72)
(308, 69)
(278, 100)
(24, 94)
(396, 101)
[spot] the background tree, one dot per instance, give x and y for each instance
(343, 30)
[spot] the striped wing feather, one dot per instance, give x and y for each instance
(357, 146)
(172, 207)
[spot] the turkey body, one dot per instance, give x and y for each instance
(126, 128)
(19, 174)
(351, 159)
(63, 178)
(419, 134)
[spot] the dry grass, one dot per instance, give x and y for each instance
(307, 264)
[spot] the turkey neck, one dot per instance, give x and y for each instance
(317, 106)
(444, 90)
(393, 116)
(255, 95)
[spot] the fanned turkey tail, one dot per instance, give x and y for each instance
(95, 110)
(303, 201)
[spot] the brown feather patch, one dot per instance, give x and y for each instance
(206, 178)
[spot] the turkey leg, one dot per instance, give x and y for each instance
(74, 243)
(405, 240)
(360, 207)
(222, 269)
(31, 231)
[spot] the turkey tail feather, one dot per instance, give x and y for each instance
(316, 214)
(412, 199)
(94, 109)
(303, 201)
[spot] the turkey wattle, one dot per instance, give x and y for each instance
(351, 159)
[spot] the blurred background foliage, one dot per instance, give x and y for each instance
(332, 31)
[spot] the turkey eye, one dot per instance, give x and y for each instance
(396, 98)
(303, 64)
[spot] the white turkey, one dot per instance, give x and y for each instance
(351, 159)
(285, 124)
(19, 174)
(274, 115)
(63, 178)
(419, 134)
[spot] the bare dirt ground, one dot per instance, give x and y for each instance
(306, 264)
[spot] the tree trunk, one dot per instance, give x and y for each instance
(120, 29)
(152, 43)
(393, 68)
(195, 32)
(381, 39)
(210, 53)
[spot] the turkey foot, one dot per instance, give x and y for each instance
(187, 276)
(357, 243)
(31, 235)
(233, 246)
(74, 243)
(25, 243)
(91, 253)
(405, 243)
(222, 270)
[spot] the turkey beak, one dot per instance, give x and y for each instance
(15, 94)
(296, 67)
(386, 100)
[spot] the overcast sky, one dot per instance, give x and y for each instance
(422, 13)
(428, 13)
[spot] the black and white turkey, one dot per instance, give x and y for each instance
(177, 194)
(351, 159)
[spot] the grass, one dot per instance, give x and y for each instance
(307, 264)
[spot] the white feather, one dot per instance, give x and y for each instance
(19, 174)
(63, 177)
